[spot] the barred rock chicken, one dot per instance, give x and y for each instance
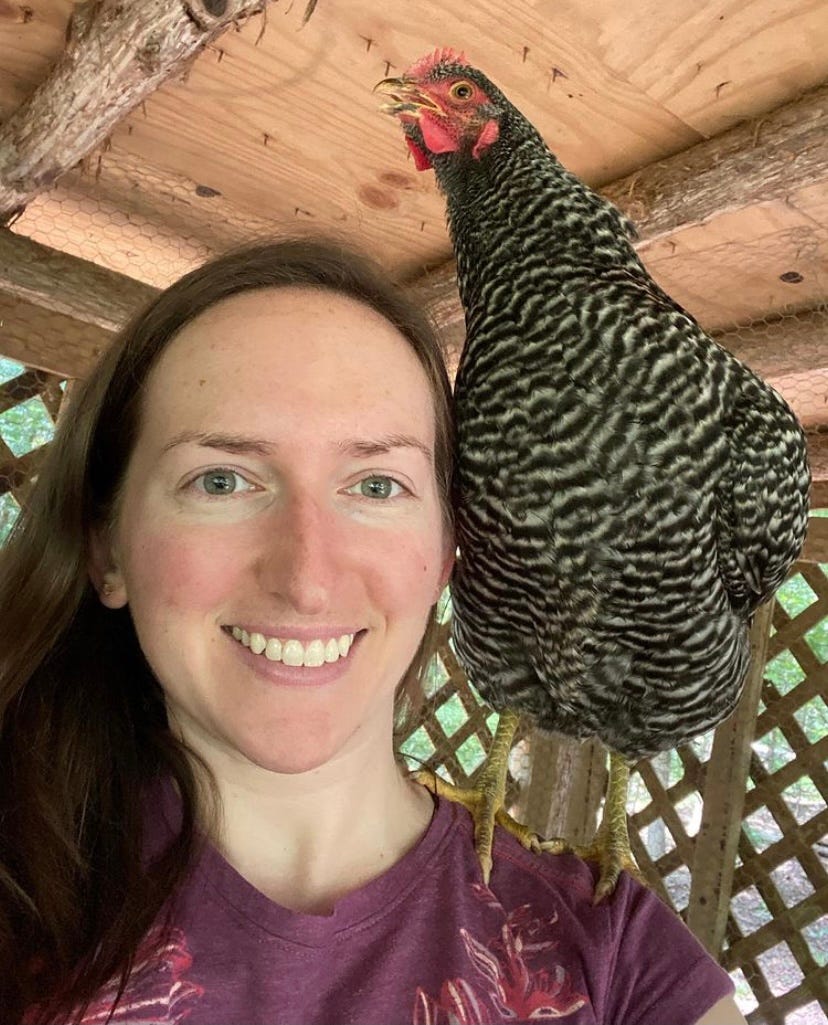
(628, 492)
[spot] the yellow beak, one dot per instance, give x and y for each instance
(406, 98)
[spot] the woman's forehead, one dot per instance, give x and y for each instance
(290, 354)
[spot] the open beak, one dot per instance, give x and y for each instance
(406, 98)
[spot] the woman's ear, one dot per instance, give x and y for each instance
(104, 571)
(448, 566)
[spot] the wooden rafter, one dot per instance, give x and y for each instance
(116, 55)
(753, 163)
(64, 284)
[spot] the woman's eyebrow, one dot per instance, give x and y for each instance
(242, 445)
(369, 447)
(227, 442)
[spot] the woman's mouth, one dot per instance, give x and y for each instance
(292, 651)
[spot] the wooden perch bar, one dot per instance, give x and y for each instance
(116, 55)
(726, 774)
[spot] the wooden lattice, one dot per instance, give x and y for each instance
(783, 873)
(18, 469)
(692, 812)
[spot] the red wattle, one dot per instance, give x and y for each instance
(490, 134)
(421, 161)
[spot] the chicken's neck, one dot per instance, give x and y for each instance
(518, 207)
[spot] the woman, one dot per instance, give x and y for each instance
(224, 582)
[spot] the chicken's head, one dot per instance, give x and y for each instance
(444, 106)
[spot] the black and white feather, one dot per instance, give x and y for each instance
(628, 492)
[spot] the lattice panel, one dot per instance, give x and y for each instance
(29, 405)
(776, 943)
(777, 931)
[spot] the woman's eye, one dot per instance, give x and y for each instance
(377, 487)
(221, 482)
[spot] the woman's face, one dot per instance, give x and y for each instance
(282, 485)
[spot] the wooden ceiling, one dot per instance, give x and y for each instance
(279, 120)
(706, 121)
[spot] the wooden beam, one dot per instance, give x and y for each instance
(753, 163)
(116, 55)
(50, 341)
(767, 158)
(714, 853)
(64, 284)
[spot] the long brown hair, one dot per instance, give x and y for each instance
(83, 727)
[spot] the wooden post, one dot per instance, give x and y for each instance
(724, 796)
(566, 787)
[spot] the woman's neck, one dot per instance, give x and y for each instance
(308, 839)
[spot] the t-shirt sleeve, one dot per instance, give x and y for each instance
(659, 972)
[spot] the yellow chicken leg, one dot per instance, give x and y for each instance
(486, 799)
(610, 846)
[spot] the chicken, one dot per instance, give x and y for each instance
(628, 491)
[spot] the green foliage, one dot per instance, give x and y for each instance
(26, 426)
(9, 369)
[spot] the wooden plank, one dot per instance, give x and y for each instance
(711, 63)
(64, 284)
(819, 494)
(47, 340)
(724, 794)
(147, 223)
(116, 55)
(777, 347)
(818, 458)
(816, 541)
(734, 268)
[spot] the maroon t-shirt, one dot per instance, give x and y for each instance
(426, 944)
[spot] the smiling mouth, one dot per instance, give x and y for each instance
(293, 652)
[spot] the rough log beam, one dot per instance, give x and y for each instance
(65, 284)
(117, 54)
(49, 341)
(761, 160)
(767, 158)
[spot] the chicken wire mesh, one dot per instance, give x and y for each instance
(154, 227)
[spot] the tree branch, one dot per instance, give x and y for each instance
(117, 54)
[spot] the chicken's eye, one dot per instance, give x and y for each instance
(461, 91)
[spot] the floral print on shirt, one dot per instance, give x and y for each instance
(502, 985)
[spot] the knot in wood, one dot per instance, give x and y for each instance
(205, 13)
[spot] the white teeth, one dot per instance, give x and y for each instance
(292, 652)
(314, 654)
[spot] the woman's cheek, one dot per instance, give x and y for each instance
(176, 569)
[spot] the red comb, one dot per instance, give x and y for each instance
(420, 68)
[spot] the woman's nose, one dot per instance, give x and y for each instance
(299, 556)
